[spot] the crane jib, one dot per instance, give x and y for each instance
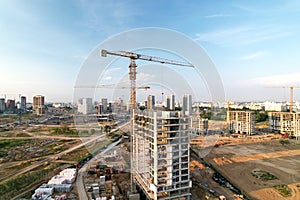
(136, 56)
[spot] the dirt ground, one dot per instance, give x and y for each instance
(203, 182)
(236, 162)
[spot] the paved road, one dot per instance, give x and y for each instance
(79, 181)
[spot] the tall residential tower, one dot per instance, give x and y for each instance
(161, 154)
(38, 105)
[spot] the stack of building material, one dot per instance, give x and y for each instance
(43, 192)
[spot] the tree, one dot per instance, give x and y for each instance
(107, 129)
(93, 131)
(260, 117)
(142, 107)
(206, 115)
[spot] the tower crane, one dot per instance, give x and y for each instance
(291, 94)
(228, 111)
(132, 78)
(133, 66)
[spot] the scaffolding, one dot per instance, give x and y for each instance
(161, 154)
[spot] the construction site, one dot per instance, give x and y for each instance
(159, 147)
(158, 161)
(240, 122)
(287, 123)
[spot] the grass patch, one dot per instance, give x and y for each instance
(4, 129)
(5, 144)
(64, 130)
(11, 187)
(3, 153)
(283, 142)
(76, 155)
(22, 135)
(52, 149)
(284, 190)
(263, 175)
(98, 146)
(19, 166)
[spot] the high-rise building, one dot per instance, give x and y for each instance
(171, 102)
(11, 104)
(38, 105)
(150, 102)
(85, 106)
(110, 107)
(104, 104)
(23, 104)
(2, 104)
(160, 164)
(187, 104)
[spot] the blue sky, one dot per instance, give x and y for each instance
(254, 44)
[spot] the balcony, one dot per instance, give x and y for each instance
(162, 169)
(161, 195)
(164, 135)
(163, 181)
(162, 175)
(162, 142)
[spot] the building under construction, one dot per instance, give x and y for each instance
(199, 125)
(285, 123)
(161, 154)
(240, 121)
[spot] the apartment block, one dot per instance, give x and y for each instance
(187, 104)
(161, 154)
(240, 122)
(273, 106)
(11, 104)
(85, 106)
(199, 125)
(171, 102)
(23, 104)
(150, 102)
(38, 105)
(104, 103)
(285, 123)
(2, 104)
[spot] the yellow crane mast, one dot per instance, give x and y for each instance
(291, 94)
(133, 66)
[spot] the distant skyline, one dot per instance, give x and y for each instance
(254, 44)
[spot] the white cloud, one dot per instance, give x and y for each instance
(220, 36)
(103, 16)
(217, 16)
(275, 80)
(244, 35)
(254, 55)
